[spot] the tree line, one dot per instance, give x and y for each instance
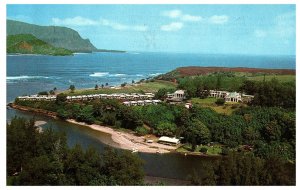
(244, 169)
(271, 130)
(273, 93)
(35, 158)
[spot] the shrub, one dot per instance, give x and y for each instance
(61, 98)
(225, 151)
(234, 106)
(220, 102)
(203, 150)
(123, 84)
(52, 92)
(72, 88)
(141, 131)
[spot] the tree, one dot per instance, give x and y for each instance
(52, 92)
(197, 133)
(122, 168)
(102, 85)
(166, 128)
(132, 81)
(123, 84)
(86, 114)
(60, 98)
(72, 88)
(106, 84)
(43, 93)
(41, 171)
(161, 94)
(63, 114)
(35, 158)
(272, 131)
(96, 87)
(218, 85)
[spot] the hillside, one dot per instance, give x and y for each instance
(238, 71)
(28, 44)
(56, 36)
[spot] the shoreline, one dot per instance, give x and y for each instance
(128, 141)
(120, 139)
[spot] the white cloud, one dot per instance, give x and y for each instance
(76, 21)
(177, 14)
(172, 13)
(118, 26)
(260, 33)
(80, 21)
(218, 19)
(191, 18)
(174, 26)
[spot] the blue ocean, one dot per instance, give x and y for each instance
(28, 74)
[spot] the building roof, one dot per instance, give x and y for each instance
(169, 139)
(233, 95)
(179, 92)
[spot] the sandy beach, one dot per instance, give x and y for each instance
(127, 140)
(122, 140)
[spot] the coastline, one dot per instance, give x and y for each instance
(128, 141)
(122, 140)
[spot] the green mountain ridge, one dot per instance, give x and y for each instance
(29, 44)
(57, 36)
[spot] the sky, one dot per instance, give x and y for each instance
(213, 29)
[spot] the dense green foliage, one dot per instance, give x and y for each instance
(108, 112)
(35, 158)
(162, 93)
(268, 129)
(199, 86)
(57, 36)
(245, 169)
(29, 44)
(272, 93)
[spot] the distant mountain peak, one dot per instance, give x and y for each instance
(57, 36)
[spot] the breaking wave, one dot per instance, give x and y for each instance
(106, 74)
(99, 74)
(155, 74)
(24, 77)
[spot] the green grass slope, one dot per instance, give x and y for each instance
(29, 44)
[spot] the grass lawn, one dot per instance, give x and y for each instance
(138, 88)
(211, 150)
(282, 78)
(226, 109)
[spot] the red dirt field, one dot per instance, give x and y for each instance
(191, 71)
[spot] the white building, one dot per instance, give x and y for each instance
(178, 95)
(168, 140)
(218, 94)
(233, 97)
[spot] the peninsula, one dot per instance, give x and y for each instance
(200, 104)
